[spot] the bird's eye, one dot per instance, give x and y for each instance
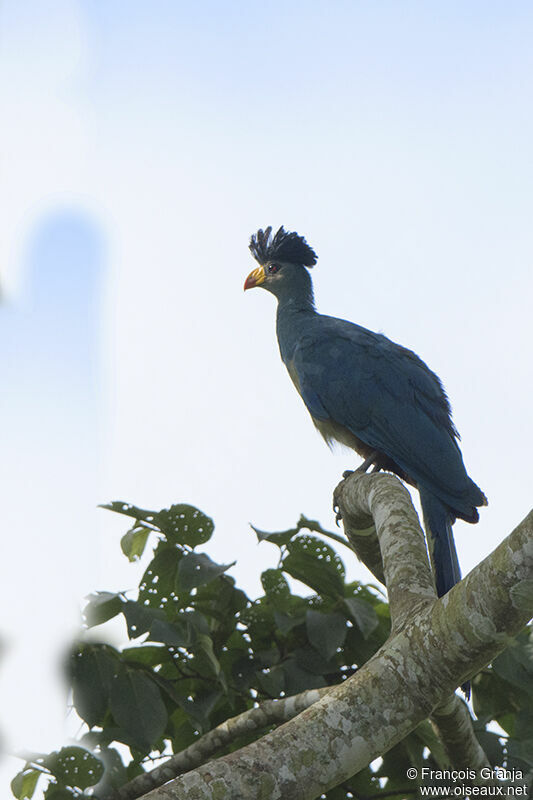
(273, 268)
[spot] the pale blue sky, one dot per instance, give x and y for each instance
(146, 142)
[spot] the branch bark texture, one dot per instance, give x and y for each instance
(434, 646)
(271, 712)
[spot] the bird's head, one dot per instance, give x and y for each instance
(282, 260)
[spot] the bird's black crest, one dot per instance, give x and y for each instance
(283, 246)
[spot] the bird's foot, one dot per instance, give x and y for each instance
(367, 463)
(336, 507)
(338, 515)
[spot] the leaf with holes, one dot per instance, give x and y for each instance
(220, 599)
(129, 510)
(184, 524)
(181, 523)
(75, 766)
(197, 569)
(326, 632)
(276, 587)
(316, 564)
(157, 587)
(138, 708)
(140, 617)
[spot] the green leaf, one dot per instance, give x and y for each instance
(363, 615)
(491, 744)
(313, 525)
(197, 569)
(134, 541)
(181, 524)
(280, 538)
(286, 623)
(150, 654)
(312, 661)
(140, 617)
(522, 750)
(23, 785)
(75, 766)
(93, 669)
(429, 738)
(115, 772)
(205, 644)
(524, 724)
(275, 586)
(515, 664)
(199, 709)
(284, 537)
(101, 606)
(326, 632)
(298, 679)
(186, 524)
(272, 681)
(157, 587)
(313, 562)
(59, 793)
(194, 619)
(138, 708)
(220, 600)
(175, 634)
(522, 595)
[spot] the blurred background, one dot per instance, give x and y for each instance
(141, 145)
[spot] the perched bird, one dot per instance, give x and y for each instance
(370, 394)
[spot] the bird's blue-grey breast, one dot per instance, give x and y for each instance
(370, 394)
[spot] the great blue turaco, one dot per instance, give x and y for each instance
(368, 393)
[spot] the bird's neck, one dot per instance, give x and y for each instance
(292, 316)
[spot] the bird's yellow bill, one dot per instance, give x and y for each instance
(255, 278)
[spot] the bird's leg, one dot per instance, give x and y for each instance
(368, 462)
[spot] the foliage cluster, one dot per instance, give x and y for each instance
(200, 651)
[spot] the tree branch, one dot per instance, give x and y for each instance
(406, 569)
(431, 650)
(271, 712)
(453, 723)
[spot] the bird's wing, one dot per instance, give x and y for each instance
(386, 396)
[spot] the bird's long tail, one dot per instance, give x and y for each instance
(438, 524)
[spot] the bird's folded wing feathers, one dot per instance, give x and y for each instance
(387, 397)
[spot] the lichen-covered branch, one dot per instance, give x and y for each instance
(271, 712)
(453, 723)
(385, 500)
(431, 650)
